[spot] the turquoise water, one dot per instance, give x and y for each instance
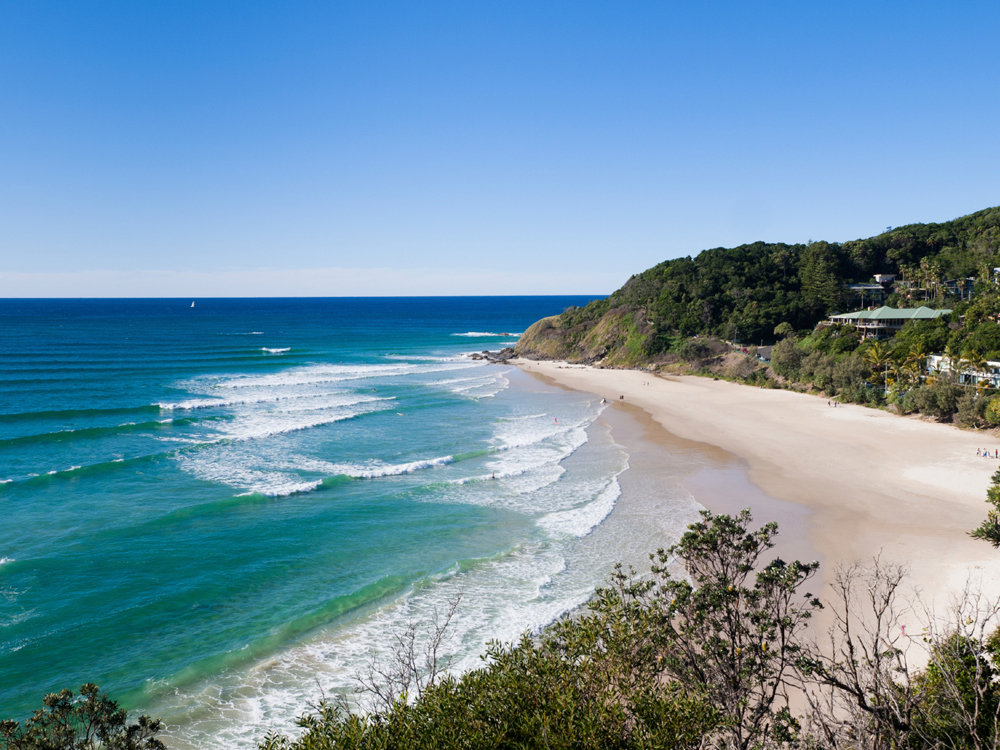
(218, 512)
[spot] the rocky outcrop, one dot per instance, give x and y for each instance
(619, 338)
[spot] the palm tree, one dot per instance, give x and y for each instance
(925, 274)
(936, 275)
(974, 361)
(877, 355)
(915, 362)
(954, 360)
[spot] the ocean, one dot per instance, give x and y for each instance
(223, 512)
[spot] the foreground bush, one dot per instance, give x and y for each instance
(656, 663)
(86, 723)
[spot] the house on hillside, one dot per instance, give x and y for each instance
(885, 321)
(989, 375)
(862, 295)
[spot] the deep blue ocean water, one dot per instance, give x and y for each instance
(215, 512)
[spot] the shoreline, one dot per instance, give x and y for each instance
(846, 483)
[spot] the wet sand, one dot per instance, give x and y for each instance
(844, 483)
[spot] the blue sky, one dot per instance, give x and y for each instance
(240, 148)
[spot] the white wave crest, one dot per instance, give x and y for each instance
(6, 560)
(390, 470)
(581, 521)
(204, 403)
(286, 490)
(275, 351)
(322, 374)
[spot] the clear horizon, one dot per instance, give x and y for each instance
(225, 150)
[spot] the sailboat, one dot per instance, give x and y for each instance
(192, 303)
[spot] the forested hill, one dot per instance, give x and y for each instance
(742, 293)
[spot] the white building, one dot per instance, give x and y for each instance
(990, 376)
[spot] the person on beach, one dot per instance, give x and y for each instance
(978, 452)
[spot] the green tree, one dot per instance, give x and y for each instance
(992, 413)
(91, 722)
(786, 358)
(656, 664)
(939, 400)
(784, 330)
(959, 696)
(821, 287)
(989, 530)
(733, 630)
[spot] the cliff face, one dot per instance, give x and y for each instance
(618, 338)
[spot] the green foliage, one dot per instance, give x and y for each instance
(732, 630)
(983, 338)
(745, 293)
(89, 722)
(958, 693)
(932, 335)
(939, 400)
(786, 358)
(971, 409)
(783, 330)
(992, 413)
(989, 530)
(851, 374)
(657, 663)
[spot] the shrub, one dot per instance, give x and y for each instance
(656, 663)
(939, 400)
(91, 721)
(784, 330)
(850, 372)
(971, 409)
(786, 358)
(992, 414)
(906, 403)
(694, 349)
(743, 368)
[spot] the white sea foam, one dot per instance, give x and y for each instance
(6, 481)
(581, 521)
(6, 560)
(259, 426)
(376, 470)
(276, 351)
(484, 334)
(284, 490)
(421, 358)
(524, 588)
(204, 403)
(323, 374)
(477, 386)
(501, 598)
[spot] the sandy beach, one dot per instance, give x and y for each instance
(856, 482)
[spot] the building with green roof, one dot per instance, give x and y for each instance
(885, 321)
